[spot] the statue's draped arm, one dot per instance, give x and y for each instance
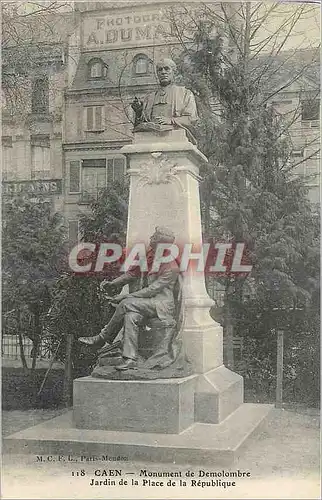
(125, 279)
(186, 114)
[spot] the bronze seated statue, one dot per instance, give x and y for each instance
(143, 336)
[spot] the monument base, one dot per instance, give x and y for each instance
(217, 444)
(219, 393)
(164, 406)
(160, 405)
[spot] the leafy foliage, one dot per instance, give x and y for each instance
(79, 307)
(108, 216)
(249, 193)
(33, 255)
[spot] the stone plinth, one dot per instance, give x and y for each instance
(163, 406)
(219, 393)
(164, 190)
(199, 444)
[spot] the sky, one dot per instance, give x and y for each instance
(305, 34)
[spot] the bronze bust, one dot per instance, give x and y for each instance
(169, 107)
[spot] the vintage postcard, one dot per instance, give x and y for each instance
(160, 249)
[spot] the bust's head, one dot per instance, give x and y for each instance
(166, 69)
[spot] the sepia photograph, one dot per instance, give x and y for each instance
(160, 166)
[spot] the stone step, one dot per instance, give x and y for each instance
(200, 443)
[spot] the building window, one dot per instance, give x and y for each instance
(311, 172)
(310, 110)
(7, 141)
(94, 118)
(74, 177)
(93, 178)
(314, 197)
(97, 68)
(40, 140)
(96, 173)
(40, 157)
(142, 65)
(40, 96)
(298, 153)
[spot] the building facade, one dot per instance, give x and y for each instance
(77, 106)
(117, 48)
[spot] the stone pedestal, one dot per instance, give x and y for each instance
(164, 190)
(219, 393)
(162, 406)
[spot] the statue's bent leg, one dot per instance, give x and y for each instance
(132, 323)
(110, 331)
(136, 311)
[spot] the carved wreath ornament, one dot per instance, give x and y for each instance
(159, 170)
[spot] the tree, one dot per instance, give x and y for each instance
(34, 36)
(33, 256)
(79, 308)
(108, 215)
(249, 192)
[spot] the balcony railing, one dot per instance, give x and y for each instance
(87, 197)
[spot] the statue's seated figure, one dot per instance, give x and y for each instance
(154, 311)
(169, 107)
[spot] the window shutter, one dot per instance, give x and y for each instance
(98, 117)
(73, 231)
(90, 118)
(74, 177)
(110, 170)
(310, 109)
(40, 96)
(119, 168)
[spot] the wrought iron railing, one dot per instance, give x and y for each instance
(10, 348)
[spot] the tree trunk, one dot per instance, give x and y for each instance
(35, 348)
(68, 377)
(22, 353)
(247, 33)
(36, 341)
(206, 216)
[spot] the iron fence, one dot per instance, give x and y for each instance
(10, 348)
